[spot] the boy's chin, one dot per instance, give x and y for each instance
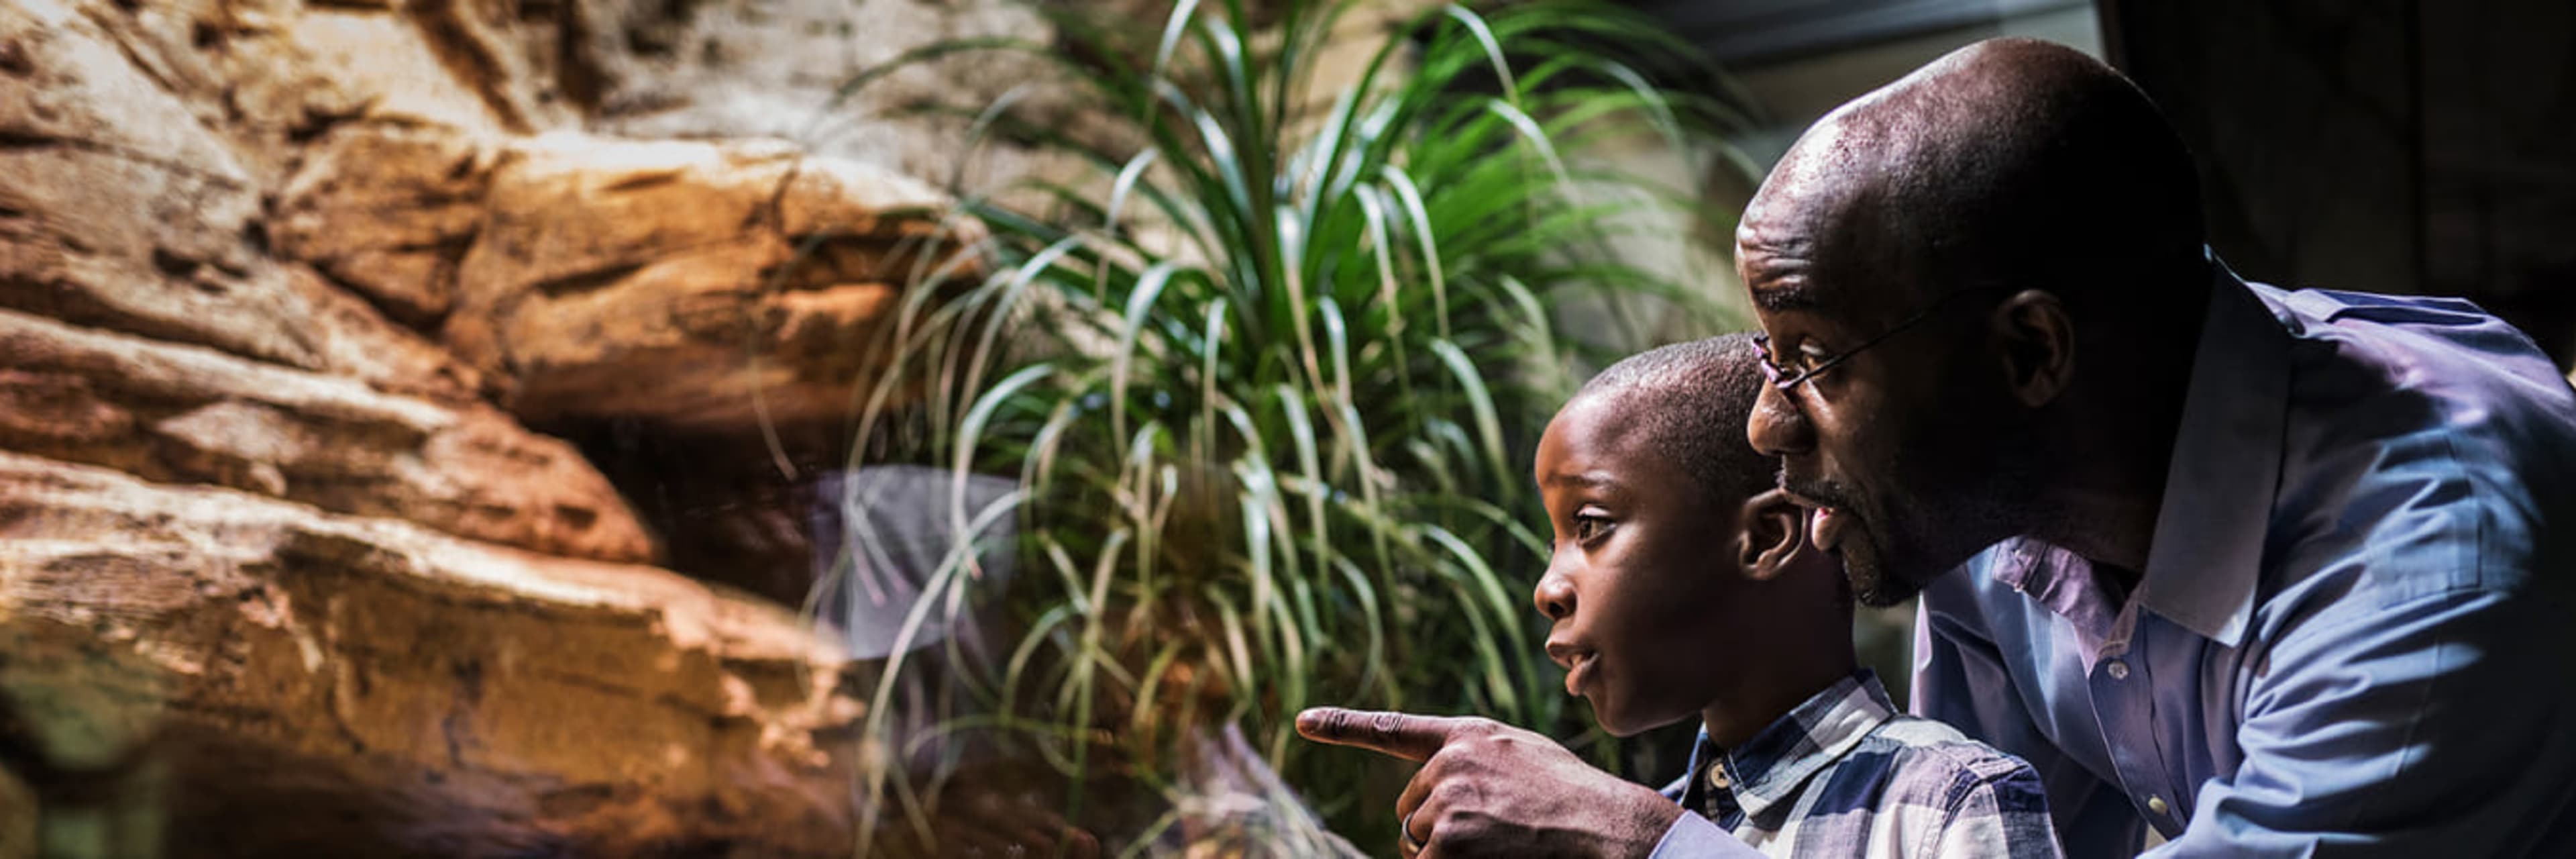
(1623, 725)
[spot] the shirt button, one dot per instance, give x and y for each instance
(2156, 804)
(2119, 670)
(1717, 775)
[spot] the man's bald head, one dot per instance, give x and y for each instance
(2009, 162)
(2011, 166)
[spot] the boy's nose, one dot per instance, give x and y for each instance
(1555, 597)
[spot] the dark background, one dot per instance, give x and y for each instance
(2404, 146)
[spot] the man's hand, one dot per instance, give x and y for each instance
(1489, 789)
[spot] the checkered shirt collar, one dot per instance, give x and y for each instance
(1772, 765)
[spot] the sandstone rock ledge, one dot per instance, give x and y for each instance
(254, 677)
(183, 414)
(679, 283)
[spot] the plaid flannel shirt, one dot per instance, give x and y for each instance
(1845, 775)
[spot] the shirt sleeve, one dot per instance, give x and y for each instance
(1677, 789)
(1694, 837)
(2428, 726)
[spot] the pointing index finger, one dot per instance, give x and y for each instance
(1404, 735)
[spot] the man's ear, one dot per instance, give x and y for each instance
(2037, 339)
(1771, 530)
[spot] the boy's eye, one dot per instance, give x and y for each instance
(1590, 526)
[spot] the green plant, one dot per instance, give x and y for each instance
(1268, 383)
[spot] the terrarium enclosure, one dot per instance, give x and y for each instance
(803, 428)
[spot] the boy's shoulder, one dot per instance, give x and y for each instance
(1924, 789)
(1894, 785)
(1928, 762)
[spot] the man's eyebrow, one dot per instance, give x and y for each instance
(1796, 295)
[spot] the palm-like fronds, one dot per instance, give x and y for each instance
(1268, 383)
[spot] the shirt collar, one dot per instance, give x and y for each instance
(2208, 545)
(1770, 767)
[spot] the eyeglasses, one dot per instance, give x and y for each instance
(1811, 366)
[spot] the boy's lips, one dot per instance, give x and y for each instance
(1581, 671)
(1575, 659)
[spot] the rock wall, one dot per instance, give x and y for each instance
(253, 677)
(299, 301)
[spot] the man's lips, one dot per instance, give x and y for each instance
(1825, 528)
(1825, 522)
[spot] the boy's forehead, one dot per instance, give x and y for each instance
(1600, 409)
(1601, 426)
(1630, 404)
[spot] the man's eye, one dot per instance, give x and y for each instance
(1808, 357)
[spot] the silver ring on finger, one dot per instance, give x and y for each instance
(1412, 843)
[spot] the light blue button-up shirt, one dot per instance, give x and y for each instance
(2354, 635)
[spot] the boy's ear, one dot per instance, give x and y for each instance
(1771, 530)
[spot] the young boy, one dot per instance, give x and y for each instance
(1682, 585)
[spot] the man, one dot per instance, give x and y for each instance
(2267, 573)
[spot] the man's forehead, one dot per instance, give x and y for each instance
(1819, 249)
(1823, 232)
(1779, 263)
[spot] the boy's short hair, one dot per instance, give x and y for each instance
(1693, 400)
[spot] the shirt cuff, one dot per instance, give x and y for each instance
(1694, 837)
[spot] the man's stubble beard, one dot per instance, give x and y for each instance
(1866, 569)
(1862, 549)
(1996, 484)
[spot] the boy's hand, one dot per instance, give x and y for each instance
(1489, 789)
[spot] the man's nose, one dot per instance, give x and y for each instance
(1777, 427)
(1554, 596)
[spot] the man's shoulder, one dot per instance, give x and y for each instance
(2426, 444)
(2366, 365)
(2404, 321)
